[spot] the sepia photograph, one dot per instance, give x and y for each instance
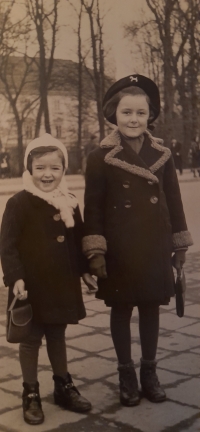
(100, 215)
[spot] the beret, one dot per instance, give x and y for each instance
(45, 140)
(136, 80)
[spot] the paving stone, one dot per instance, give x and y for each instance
(166, 377)
(8, 400)
(196, 350)
(193, 330)
(152, 417)
(187, 392)
(177, 342)
(93, 343)
(194, 428)
(91, 368)
(9, 367)
(186, 363)
(100, 320)
(2, 330)
(73, 331)
(101, 396)
(98, 306)
(192, 311)
(54, 417)
(170, 321)
(4, 343)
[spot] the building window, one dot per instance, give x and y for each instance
(29, 132)
(58, 131)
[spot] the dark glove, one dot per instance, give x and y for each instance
(97, 266)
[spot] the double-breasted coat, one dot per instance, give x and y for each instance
(134, 215)
(37, 247)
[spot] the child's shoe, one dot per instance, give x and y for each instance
(151, 387)
(32, 407)
(67, 396)
(129, 393)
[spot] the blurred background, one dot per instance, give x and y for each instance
(58, 57)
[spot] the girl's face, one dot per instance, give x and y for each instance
(47, 171)
(132, 115)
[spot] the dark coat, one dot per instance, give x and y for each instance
(134, 214)
(37, 247)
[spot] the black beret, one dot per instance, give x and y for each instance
(136, 80)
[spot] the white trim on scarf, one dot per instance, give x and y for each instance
(60, 198)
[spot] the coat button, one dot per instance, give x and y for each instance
(61, 239)
(126, 184)
(154, 199)
(57, 217)
(127, 204)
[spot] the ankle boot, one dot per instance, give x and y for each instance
(32, 407)
(67, 396)
(129, 394)
(151, 387)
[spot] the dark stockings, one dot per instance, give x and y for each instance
(56, 349)
(121, 334)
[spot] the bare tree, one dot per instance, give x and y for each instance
(44, 16)
(96, 36)
(16, 73)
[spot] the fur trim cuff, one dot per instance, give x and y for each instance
(93, 244)
(182, 239)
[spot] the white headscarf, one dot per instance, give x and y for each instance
(60, 197)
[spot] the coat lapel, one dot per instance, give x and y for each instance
(121, 156)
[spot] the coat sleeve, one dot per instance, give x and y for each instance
(11, 230)
(181, 236)
(95, 195)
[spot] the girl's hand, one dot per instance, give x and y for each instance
(179, 259)
(97, 266)
(90, 282)
(19, 288)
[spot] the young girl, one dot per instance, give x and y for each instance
(134, 219)
(41, 258)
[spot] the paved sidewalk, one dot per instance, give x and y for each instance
(92, 362)
(92, 359)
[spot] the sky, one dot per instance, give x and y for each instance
(117, 13)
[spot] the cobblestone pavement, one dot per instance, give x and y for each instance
(92, 362)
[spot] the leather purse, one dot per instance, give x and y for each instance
(180, 288)
(19, 322)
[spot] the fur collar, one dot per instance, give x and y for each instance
(113, 142)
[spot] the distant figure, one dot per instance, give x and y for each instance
(176, 149)
(91, 145)
(4, 164)
(195, 156)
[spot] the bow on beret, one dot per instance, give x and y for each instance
(136, 80)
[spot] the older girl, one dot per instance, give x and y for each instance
(134, 220)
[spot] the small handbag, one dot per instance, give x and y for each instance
(19, 322)
(180, 288)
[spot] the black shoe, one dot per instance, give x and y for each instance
(129, 393)
(32, 407)
(151, 387)
(67, 396)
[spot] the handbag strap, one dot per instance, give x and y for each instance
(13, 303)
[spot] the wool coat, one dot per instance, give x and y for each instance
(37, 247)
(134, 215)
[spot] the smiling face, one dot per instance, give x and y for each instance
(47, 171)
(132, 115)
